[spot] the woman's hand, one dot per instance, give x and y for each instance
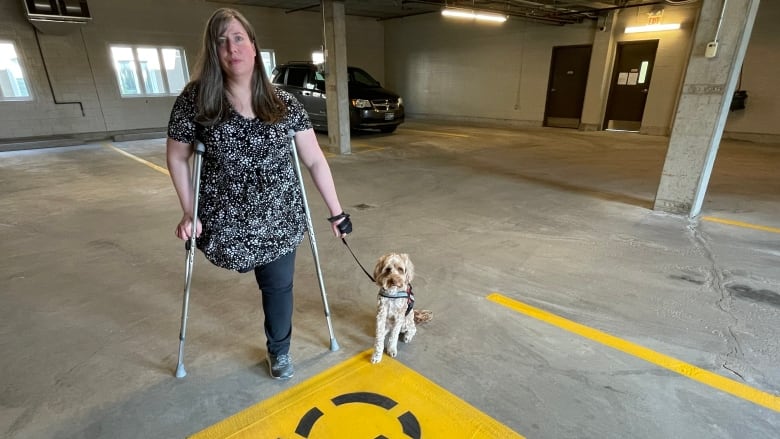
(184, 228)
(336, 232)
(341, 225)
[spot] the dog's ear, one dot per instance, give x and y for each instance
(409, 267)
(379, 268)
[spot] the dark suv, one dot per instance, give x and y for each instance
(370, 105)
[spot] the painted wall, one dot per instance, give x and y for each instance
(80, 67)
(671, 60)
(467, 71)
(499, 73)
(760, 74)
(458, 70)
(442, 68)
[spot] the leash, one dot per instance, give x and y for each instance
(344, 240)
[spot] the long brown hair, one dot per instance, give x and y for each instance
(209, 79)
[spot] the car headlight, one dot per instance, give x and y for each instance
(361, 103)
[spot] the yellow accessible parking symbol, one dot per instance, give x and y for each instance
(370, 415)
(357, 399)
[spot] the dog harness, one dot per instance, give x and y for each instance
(408, 295)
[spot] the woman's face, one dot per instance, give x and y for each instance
(236, 51)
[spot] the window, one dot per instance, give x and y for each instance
(362, 77)
(296, 77)
(317, 57)
(269, 60)
(13, 85)
(319, 81)
(149, 71)
(643, 71)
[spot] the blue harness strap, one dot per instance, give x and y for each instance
(408, 295)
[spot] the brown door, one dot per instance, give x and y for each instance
(630, 83)
(566, 91)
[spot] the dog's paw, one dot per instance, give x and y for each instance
(376, 358)
(392, 352)
(407, 338)
(423, 316)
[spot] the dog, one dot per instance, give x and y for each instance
(393, 274)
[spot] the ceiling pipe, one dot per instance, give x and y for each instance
(546, 18)
(411, 14)
(303, 8)
(614, 8)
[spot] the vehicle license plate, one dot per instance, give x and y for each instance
(389, 116)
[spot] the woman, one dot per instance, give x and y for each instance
(251, 215)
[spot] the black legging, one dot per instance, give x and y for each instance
(275, 280)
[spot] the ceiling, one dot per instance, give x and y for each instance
(555, 12)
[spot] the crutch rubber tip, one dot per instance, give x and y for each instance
(334, 345)
(180, 372)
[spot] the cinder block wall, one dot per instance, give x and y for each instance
(671, 59)
(470, 71)
(443, 69)
(760, 73)
(80, 70)
(450, 69)
(499, 73)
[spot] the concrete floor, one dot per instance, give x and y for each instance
(92, 277)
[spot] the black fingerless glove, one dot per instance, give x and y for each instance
(345, 226)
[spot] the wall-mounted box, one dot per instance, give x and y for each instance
(57, 16)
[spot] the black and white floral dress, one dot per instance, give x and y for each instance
(250, 201)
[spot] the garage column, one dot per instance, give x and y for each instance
(704, 104)
(597, 89)
(336, 79)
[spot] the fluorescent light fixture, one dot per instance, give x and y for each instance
(474, 15)
(317, 57)
(652, 28)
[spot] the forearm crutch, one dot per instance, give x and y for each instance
(334, 345)
(190, 258)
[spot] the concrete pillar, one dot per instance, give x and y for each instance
(704, 104)
(599, 74)
(336, 75)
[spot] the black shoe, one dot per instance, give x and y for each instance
(280, 366)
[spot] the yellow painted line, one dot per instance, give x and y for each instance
(165, 171)
(357, 399)
(741, 224)
(363, 148)
(139, 159)
(436, 133)
(703, 376)
(367, 149)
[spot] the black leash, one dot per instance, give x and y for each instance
(356, 260)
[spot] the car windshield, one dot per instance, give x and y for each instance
(361, 77)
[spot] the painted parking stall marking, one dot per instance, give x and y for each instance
(362, 400)
(742, 224)
(706, 377)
